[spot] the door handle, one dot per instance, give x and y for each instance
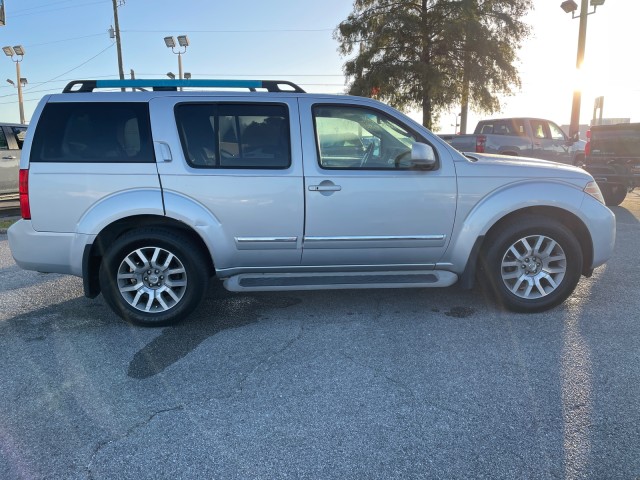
(9, 157)
(325, 188)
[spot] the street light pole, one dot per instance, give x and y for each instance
(20, 102)
(577, 94)
(16, 53)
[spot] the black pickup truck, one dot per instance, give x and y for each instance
(612, 156)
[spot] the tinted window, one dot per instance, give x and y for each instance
(360, 138)
(234, 135)
(19, 133)
(93, 132)
(3, 140)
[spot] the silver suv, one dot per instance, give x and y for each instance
(148, 194)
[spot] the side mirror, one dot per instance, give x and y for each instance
(576, 137)
(423, 156)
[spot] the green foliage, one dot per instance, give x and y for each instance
(431, 54)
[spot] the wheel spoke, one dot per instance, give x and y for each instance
(527, 247)
(175, 283)
(161, 302)
(154, 257)
(515, 252)
(142, 257)
(136, 299)
(132, 265)
(511, 275)
(131, 288)
(147, 308)
(536, 249)
(549, 249)
(167, 262)
(172, 294)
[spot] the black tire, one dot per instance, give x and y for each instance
(545, 270)
(153, 277)
(614, 194)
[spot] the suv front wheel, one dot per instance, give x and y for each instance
(153, 277)
(532, 264)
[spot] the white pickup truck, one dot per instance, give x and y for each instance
(11, 138)
(522, 137)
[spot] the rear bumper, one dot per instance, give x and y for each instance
(49, 252)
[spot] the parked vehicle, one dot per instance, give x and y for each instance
(613, 158)
(11, 139)
(146, 195)
(523, 137)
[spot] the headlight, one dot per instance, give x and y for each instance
(593, 189)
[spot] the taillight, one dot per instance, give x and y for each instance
(481, 141)
(23, 188)
(587, 147)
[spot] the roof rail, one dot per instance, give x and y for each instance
(172, 85)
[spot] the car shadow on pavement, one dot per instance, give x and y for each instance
(220, 310)
(624, 216)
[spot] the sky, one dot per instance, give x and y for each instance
(66, 40)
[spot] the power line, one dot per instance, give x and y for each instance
(65, 40)
(273, 30)
(25, 12)
(83, 63)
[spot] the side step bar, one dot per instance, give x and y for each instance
(336, 281)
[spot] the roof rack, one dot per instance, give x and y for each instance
(78, 86)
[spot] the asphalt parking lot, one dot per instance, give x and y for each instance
(324, 385)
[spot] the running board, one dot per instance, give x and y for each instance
(335, 281)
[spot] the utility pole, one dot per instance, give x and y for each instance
(117, 33)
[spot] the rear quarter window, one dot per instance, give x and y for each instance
(98, 132)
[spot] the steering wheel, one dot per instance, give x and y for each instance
(368, 153)
(401, 157)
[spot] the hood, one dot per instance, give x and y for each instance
(504, 165)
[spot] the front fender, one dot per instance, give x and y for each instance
(477, 219)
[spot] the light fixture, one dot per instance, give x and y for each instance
(171, 75)
(16, 53)
(569, 6)
(187, 75)
(597, 3)
(183, 40)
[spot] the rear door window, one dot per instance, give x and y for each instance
(235, 135)
(94, 132)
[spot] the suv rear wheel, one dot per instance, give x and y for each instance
(532, 264)
(153, 277)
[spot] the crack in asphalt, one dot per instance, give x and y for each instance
(125, 435)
